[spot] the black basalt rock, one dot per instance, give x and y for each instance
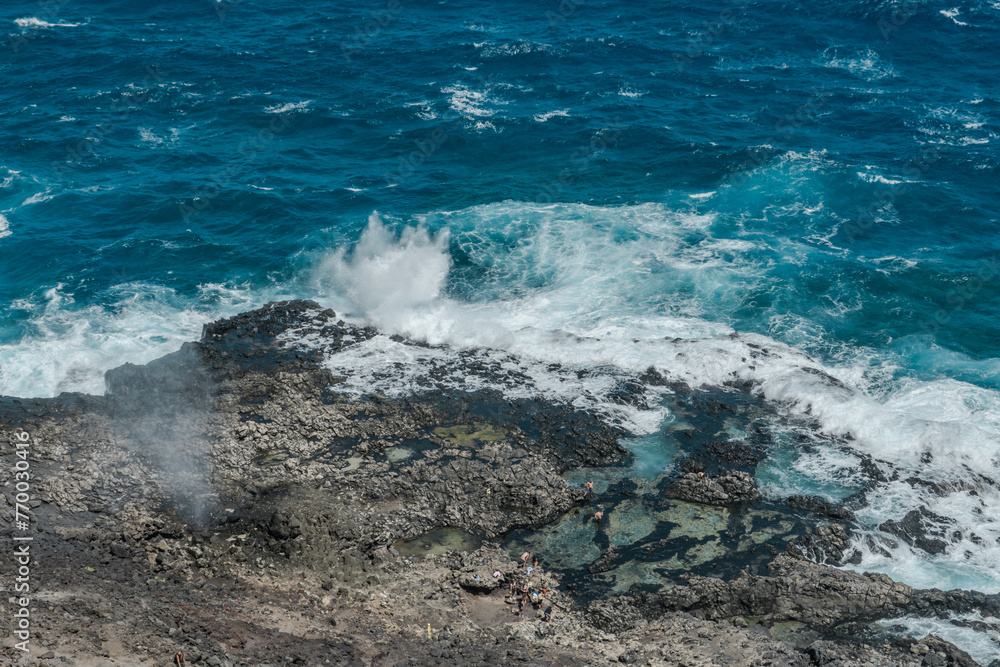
(731, 488)
(821, 507)
(921, 529)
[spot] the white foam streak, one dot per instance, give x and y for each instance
(865, 64)
(559, 113)
(32, 22)
(38, 198)
(288, 106)
(952, 14)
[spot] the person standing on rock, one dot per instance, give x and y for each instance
(589, 491)
(524, 559)
(598, 515)
(548, 614)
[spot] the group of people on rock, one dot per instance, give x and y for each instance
(525, 593)
(522, 590)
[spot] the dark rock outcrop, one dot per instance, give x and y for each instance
(820, 507)
(606, 561)
(731, 488)
(797, 590)
(827, 544)
(922, 529)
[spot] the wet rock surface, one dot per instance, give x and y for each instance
(227, 502)
(922, 529)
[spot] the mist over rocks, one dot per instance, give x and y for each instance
(228, 492)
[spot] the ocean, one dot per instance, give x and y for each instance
(582, 186)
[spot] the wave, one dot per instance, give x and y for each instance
(558, 113)
(964, 630)
(32, 22)
(572, 301)
(575, 302)
(467, 102)
(953, 13)
(569, 284)
(867, 64)
(288, 106)
(69, 346)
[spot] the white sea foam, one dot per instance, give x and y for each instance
(955, 126)
(963, 630)
(879, 178)
(867, 64)
(4, 226)
(38, 197)
(467, 102)
(559, 113)
(953, 14)
(627, 91)
(516, 48)
(32, 22)
(823, 469)
(288, 106)
(147, 135)
(425, 112)
(891, 263)
(71, 347)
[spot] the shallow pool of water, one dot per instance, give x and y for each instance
(438, 542)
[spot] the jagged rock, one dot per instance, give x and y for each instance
(921, 529)
(731, 488)
(826, 544)
(479, 578)
(820, 506)
(733, 453)
(797, 590)
(605, 562)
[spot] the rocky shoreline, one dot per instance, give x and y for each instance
(228, 503)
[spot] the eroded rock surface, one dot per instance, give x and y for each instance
(731, 488)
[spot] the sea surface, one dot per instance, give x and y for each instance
(593, 185)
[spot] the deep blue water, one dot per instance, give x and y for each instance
(819, 175)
